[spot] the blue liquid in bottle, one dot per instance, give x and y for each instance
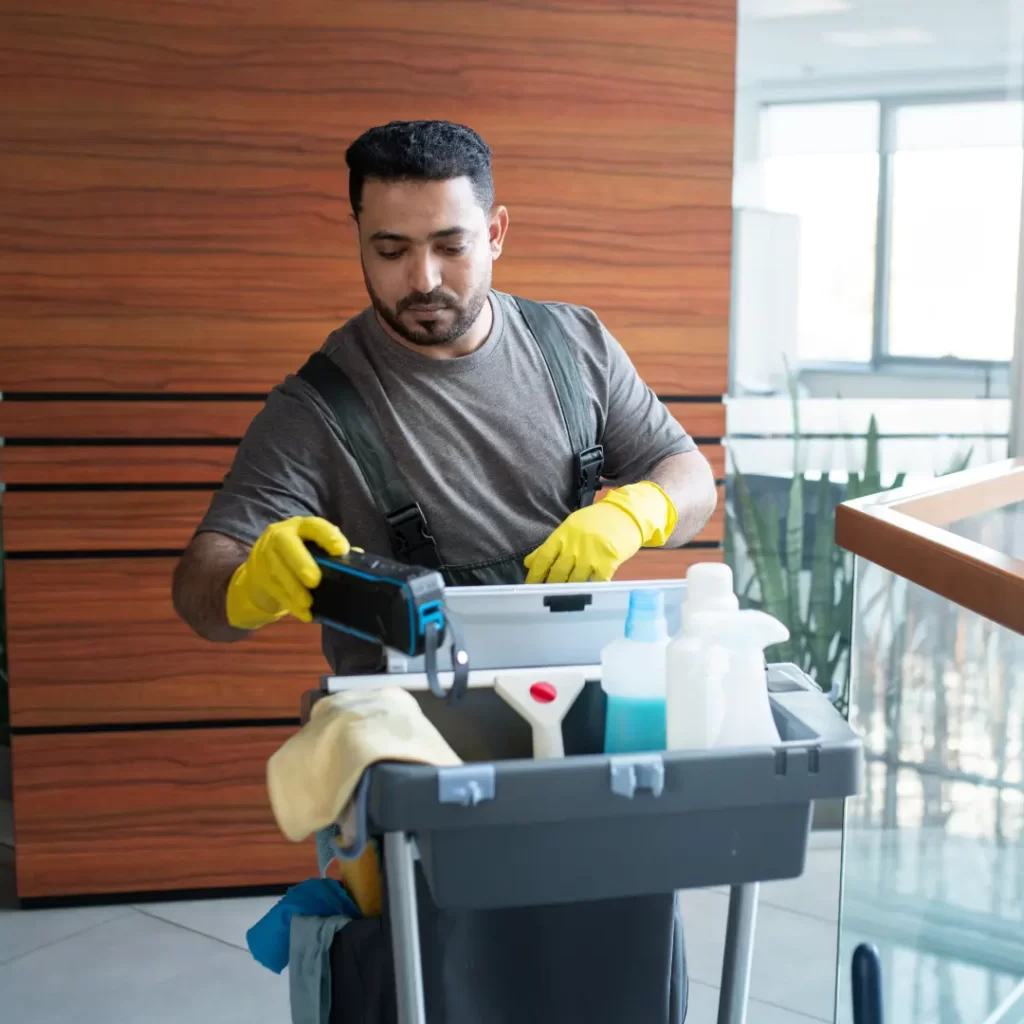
(633, 678)
(633, 725)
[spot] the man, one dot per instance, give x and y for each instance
(447, 423)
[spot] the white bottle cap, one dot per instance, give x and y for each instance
(709, 588)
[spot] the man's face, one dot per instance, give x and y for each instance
(427, 249)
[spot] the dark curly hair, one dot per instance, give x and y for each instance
(420, 151)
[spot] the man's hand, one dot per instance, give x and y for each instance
(594, 541)
(277, 577)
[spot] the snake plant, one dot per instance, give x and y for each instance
(805, 581)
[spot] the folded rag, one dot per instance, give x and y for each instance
(268, 939)
(313, 775)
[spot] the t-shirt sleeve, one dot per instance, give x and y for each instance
(281, 469)
(634, 425)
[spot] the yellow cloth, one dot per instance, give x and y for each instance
(314, 774)
(594, 541)
(276, 578)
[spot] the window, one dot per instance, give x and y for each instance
(909, 225)
(954, 231)
(821, 165)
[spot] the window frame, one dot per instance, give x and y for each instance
(882, 361)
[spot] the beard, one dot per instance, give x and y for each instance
(429, 332)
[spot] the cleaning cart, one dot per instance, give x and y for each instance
(543, 890)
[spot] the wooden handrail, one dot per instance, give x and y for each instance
(905, 532)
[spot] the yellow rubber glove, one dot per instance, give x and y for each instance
(594, 541)
(276, 578)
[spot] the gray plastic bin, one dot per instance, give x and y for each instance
(493, 867)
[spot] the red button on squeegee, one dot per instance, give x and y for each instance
(543, 693)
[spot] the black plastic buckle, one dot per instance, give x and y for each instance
(589, 464)
(411, 540)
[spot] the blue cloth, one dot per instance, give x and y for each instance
(269, 937)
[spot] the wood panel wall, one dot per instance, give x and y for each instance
(173, 220)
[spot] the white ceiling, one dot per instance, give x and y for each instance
(802, 41)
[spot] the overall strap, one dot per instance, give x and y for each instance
(411, 540)
(588, 455)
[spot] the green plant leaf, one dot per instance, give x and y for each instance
(744, 517)
(794, 554)
(823, 582)
(773, 585)
(793, 526)
(729, 539)
(744, 570)
(872, 474)
(760, 526)
(793, 383)
(843, 617)
(959, 463)
(854, 487)
(842, 651)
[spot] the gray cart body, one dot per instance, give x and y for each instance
(582, 846)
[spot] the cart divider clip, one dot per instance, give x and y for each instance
(467, 785)
(631, 772)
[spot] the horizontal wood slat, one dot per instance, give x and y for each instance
(649, 315)
(652, 27)
(149, 811)
(108, 464)
(83, 351)
(705, 420)
(715, 455)
(100, 521)
(96, 641)
(36, 465)
(666, 565)
(100, 351)
(67, 419)
(73, 521)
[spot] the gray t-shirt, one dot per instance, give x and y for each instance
(480, 442)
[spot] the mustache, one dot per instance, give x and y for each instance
(434, 298)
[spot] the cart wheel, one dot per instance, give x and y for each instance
(867, 985)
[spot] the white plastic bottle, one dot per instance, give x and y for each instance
(717, 689)
(694, 689)
(633, 677)
(695, 699)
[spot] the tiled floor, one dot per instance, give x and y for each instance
(170, 962)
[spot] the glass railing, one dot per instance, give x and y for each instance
(933, 853)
